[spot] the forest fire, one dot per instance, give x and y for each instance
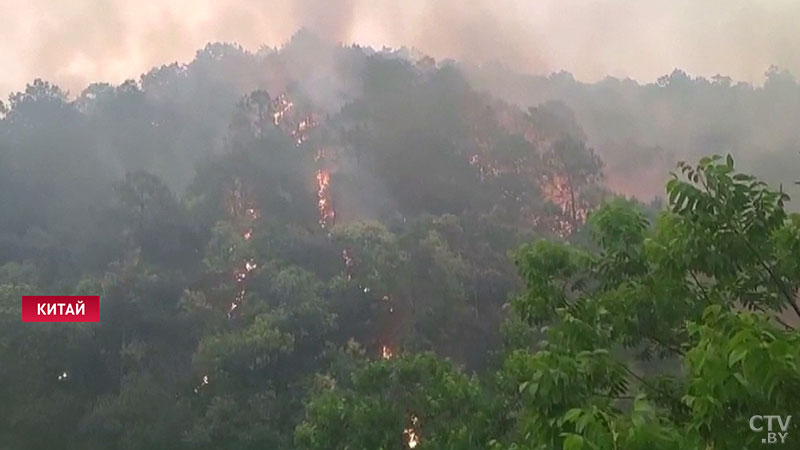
(232, 308)
(348, 263)
(350, 238)
(299, 133)
(242, 214)
(204, 382)
(324, 206)
(558, 190)
(280, 106)
(411, 433)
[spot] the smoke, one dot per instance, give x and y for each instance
(80, 41)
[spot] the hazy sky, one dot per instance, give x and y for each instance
(73, 42)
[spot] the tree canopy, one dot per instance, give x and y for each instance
(365, 251)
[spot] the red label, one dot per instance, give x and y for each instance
(60, 308)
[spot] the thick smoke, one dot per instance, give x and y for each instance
(76, 42)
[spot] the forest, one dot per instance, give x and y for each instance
(323, 246)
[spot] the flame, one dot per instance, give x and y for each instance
(348, 263)
(386, 352)
(411, 433)
(280, 106)
(203, 382)
(555, 185)
(558, 190)
(63, 376)
(243, 213)
(299, 133)
(233, 307)
(326, 211)
(299, 130)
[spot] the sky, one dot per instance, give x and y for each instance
(76, 42)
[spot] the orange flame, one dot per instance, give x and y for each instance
(558, 190)
(411, 433)
(280, 107)
(243, 214)
(324, 206)
(299, 133)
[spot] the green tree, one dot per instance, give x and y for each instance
(408, 402)
(685, 319)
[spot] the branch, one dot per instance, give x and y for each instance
(774, 316)
(614, 397)
(755, 252)
(773, 277)
(645, 382)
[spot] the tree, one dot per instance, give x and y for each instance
(415, 400)
(703, 290)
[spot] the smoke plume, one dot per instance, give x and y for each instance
(76, 42)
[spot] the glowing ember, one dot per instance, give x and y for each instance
(243, 213)
(299, 133)
(232, 308)
(280, 106)
(348, 263)
(324, 206)
(558, 190)
(237, 300)
(411, 434)
(298, 128)
(386, 352)
(204, 382)
(348, 260)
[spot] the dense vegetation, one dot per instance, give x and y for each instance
(641, 130)
(331, 248)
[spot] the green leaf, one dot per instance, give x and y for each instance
(737, 355)
(740, 378)
(572, 414)
(573, 442)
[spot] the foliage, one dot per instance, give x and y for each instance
(232, 317)
(671, 297)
